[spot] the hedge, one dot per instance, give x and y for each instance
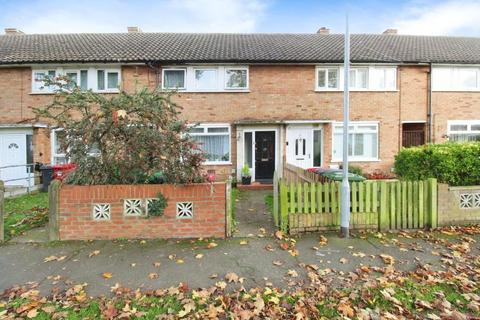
(457, 164)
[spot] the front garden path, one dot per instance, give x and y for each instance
(252, 214)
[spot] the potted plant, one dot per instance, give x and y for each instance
(246, 176)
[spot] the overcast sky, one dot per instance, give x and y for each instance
(428, 17)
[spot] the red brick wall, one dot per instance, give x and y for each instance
(76, 207)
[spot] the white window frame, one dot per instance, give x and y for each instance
(107, 71)
(226, 79)
(175, 69)
(326, 69)
(370, 78)
(46, 89)
(454, 80)
(367, 84)
(54, 155)
(195, 81)
(468, 123)
(205, 126)
(91, 76)
(356, 124)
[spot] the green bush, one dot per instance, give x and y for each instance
(457, 164)
(355, 170)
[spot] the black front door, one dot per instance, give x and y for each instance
(264, 155)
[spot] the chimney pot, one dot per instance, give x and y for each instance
(134, 30)
(390, 31)
(13, 31)
(323, 30)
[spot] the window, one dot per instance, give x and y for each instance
(327, 78)
(39, 77)
(380, 78)
(317, 148)
(464, 131)
(384, 78)
(214, 140)
(456, 78)
(300, 147)
(359, 78)
(174, 78)
(236, 78)
(108, 80)
(362, 142)
(205, 79)
(100, 80)
(58, 154)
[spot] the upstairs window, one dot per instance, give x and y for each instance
(359, 78)
(236, 78)
(456, 78)
(38, 80)
(214, 140)
(174, 79)
(206, 79)
(327, 78)
(383, 78)
(96, 79)
(464, 131)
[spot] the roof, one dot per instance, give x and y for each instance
(235, 48)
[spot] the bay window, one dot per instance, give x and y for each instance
(214, 140)
(362, 141)
(464, 130)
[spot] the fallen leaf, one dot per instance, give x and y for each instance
(292, 273)
(199, 256)
(387, 259)
(153, 275)
(232, 277)
(107, 275)
(32, 314)
(243, 242)
(211, 245)
(277, 263)
(94, 253)
(180, 261)
(156, 264)
(279, 234)
(343, 260)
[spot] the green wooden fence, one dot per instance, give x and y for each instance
(386, 205)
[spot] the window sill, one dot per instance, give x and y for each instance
(357, 90)
(456, 90)
(357, 160)
(218, 163)
(209, 91)
(52, 93)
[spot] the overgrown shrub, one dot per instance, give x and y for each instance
(457, 164)
(126, 138)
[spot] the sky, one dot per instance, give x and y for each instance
(428, 17)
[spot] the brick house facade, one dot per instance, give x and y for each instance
(281, 115)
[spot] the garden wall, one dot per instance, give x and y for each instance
(458, 205)
(120, 211)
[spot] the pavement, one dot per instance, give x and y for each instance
(157, 264)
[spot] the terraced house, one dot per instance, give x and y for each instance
(259, 99)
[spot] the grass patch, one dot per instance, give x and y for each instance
(24, 213)
(269, 202)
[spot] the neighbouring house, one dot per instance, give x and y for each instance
(258, 99)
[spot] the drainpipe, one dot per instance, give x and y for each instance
(429, 105)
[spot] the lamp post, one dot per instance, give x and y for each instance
(345, 205)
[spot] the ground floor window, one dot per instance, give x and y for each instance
(214, 140)
(58, 154)
(464, 130)
(362, 141)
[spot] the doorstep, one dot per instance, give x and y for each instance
(255, 186)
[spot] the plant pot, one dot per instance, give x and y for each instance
(246, 180)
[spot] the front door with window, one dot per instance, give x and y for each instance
(264, 155)
(304, 146)
(13, 156)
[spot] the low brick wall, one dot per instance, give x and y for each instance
(119, 211)
(458, 205)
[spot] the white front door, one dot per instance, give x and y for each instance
(304, 146)
(13, 152)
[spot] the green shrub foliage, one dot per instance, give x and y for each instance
(124, 138)
(457, 164)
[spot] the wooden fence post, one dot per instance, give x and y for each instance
(53, 205)
(275, 198)
(228, 207)
(383, 222)
(283, 206)
(2, 212)
(433, 201)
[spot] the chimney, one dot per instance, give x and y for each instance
(390, 31)
(13, 32)
(323, 31)
(134, 30)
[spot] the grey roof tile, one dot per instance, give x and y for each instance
(217, 47)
